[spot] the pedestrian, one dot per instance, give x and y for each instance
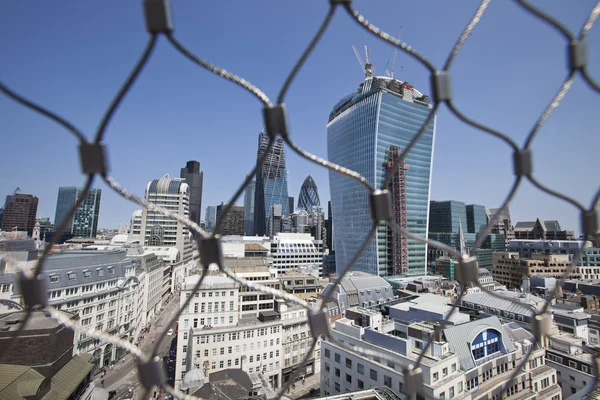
(102, 382)
(154, 395)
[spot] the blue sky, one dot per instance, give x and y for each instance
(72, 56)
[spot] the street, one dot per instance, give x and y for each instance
(123, 376)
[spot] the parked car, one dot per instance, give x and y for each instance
(170, 332)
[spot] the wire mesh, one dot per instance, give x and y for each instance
(157, 13)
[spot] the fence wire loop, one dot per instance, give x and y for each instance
(94, 161)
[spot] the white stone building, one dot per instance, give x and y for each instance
(293, 250)
(229, 326)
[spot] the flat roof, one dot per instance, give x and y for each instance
(37, 320)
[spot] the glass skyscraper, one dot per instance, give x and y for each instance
(85, 221)
(309, 194)
(194, 177)
(249, 209)
(476, 218)
(365, 130)
(271, 183)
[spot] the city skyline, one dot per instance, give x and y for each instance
(487, 97)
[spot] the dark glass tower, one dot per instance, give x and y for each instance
(85, 221)
(309, 195)
(366, 131)
(193, 177)
(271, 183)
(249, 194)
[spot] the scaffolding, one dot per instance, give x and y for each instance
(397, 244)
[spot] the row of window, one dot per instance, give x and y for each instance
(71, 276)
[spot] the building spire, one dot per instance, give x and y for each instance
(461, 236)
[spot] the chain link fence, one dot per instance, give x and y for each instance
(95, 164)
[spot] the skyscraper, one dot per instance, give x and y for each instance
(445, 216)
(309, 195)
(160, 230)
(291, 204)
(366, 132)
(210, 217)
(20, 212)
(85, 221)
(329, 225)
(193, 177)
(249, 209)
(271, 183)
(476, 218)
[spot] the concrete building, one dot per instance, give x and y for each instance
(233, 223)
(159, 230)
(230, 326)
(484, 304)
(503, 225)
(45, 225)
(135, 227)
(85, 221)
(20, 211)
(450, 369)
(192, 175)
(40, 363)
(542, 229)
(509, 269)
(293, 250)
(360, 289)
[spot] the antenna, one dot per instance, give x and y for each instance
(390, 72)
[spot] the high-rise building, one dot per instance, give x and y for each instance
(476, 218)
(309, 194)
(85, 221)
(210, 217)
(193, 177)
(504, 224)
(249, 209)
(291, 204)
(329, 226)
(366, 132)
(271, 183)
(20, 212)
(233, 223)
(445, 216)
(159, 230)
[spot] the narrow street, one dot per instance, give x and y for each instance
(123, 376)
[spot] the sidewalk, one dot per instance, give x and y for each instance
(313, 381)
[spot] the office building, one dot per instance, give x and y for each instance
(309, 195)
(45, 225)
(40, 363)
(447, 216)
(249, 194)
(476, 218)
(329, 227)
(19, 213)
(294, 250)
(85, 221)
(233, 223)
(366, 132)
(193, 177)
(542, 229)
(510, 269)
(291, 204)
(449, 369)
(160, 230)
(503, 225)
(275, 221)
(360, 289)
(230, 326)
(210, 217)
(271, 183)
(135, 227)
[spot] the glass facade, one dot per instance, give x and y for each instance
(476, 218)
(271, 183)
(309, 195)
(249, 209)
(85, 221)
(446, 216)
(361, 131)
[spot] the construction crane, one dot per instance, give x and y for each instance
(9, 198)
(390, 72)
(366, 67)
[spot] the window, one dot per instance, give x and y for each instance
(361, 384)
(327, 367)
(337, 358)
(100, 272)
(573, 390)
(572, 364)
(71, 276)
(337, 387)
(206, 353)
(54, 278)
(436, 376)
(460, 387)
(387, 381)
(360, 368)
(348, 378)
(348, 363)
(445, 372)
(373, 374)
(453, 367)
(451, 392)
(87, 274)
(184, 348)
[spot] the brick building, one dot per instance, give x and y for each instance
(19, 213)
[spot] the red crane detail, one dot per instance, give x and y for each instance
(397, 244)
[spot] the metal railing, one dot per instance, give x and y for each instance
(94, 164)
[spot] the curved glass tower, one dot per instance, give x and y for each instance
(309, 195)
(366, 131)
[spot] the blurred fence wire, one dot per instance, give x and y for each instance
(94, 163)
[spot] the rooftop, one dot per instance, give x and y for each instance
(37, 320)
(487, 300)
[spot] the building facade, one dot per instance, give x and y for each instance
(509, 269)
(476, 218)
(309, 194)
(159, 230)
(503, 225)
(193, 177)
(271, 182)
(249, 194)
(542, 229)
(233, 223)
(293, 250)
(210, 217)
(85, 221)
(366, 132)
(20, 211)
